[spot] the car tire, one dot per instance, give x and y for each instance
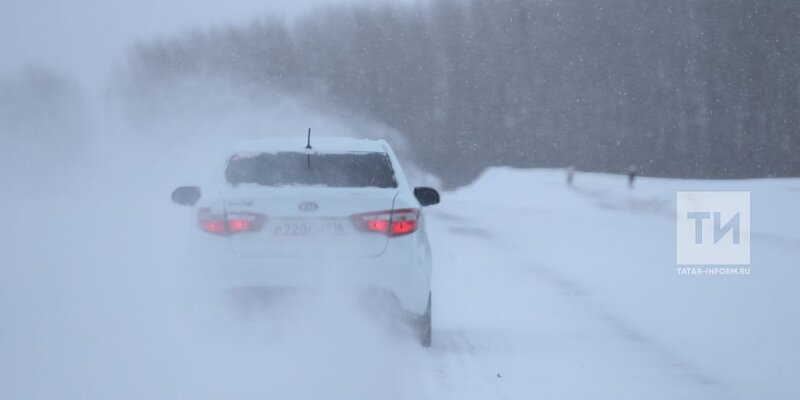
(425, 327)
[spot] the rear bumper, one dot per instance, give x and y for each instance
(405, 276)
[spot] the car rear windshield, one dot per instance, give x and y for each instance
(370, 169)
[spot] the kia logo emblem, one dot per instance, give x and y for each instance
(308, 206)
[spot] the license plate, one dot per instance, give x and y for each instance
(308, 229)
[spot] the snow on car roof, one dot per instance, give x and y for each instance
(318, 144)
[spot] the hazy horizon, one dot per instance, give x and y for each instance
(83, 39)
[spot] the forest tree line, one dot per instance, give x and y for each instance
(679, 88)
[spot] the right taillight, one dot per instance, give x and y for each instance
(226, 224)
(392, 222)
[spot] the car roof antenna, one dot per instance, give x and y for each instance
(308, 145)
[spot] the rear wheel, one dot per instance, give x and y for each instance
(425, 327)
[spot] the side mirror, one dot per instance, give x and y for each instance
(426, 196)
(186, 195)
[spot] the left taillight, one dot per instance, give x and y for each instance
(226, 224)
(392, 222)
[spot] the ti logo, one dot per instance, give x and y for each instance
(713, 228)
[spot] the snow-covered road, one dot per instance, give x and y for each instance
(541, 291)
(572, 292)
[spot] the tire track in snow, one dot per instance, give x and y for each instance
(455, 354)
(624, 329)
(463, 357)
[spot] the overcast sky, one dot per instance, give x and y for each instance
(83, 37)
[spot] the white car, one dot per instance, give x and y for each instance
(338, 211)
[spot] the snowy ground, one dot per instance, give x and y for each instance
(573, 292)
(541, 291)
